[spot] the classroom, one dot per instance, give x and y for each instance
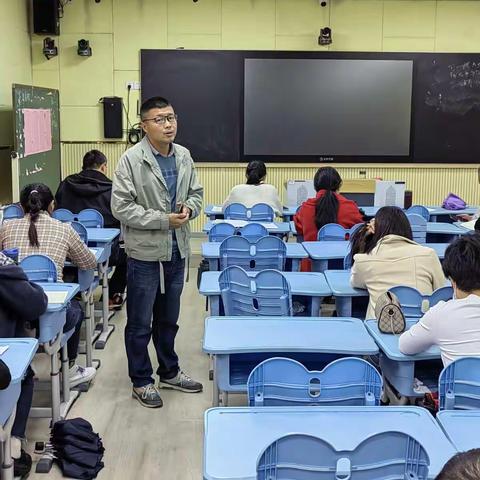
(240, 239)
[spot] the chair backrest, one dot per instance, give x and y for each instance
(459, 385)
(90, 218)
(13, 211)
(285, 382)
(414, 304)
(266, 294)
(334, 231)
(260, 212)
(81, 230)
(419, 210)
(253, 231)
(220, 231)
(63, 215)
(39, 268)
(384, 455)
(267, 252)
(419, 227)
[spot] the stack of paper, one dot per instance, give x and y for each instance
(57, 296)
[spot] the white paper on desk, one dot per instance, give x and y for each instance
(468, 225)
(431, 209)
(93, 250)
(217, 209)
(235, 223)
(3, 349)
(269, 225)
(56, 296)
(389, 193)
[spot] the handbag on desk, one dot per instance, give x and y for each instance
(389, 315)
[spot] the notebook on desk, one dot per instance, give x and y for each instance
(58, 296)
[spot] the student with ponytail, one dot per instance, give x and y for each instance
(255, 190)
(328, 206)
(39, 233)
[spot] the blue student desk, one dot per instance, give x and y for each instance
(17, 358)
(238, 344)
(102, 236)
(211, 252)
(236, 437)
(448, 231)
(306, 284)
(461, 428)
(280, 229)
(322, 251)
(339, 283)
(399, 369)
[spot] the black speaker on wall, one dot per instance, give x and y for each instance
(46, 19)
(112, 117)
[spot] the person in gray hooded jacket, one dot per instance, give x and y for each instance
(155, 193)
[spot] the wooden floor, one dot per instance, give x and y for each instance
(143, 443)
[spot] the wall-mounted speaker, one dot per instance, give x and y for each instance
(112, 117)
(46, 19)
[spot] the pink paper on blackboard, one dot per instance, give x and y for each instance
(37, 130)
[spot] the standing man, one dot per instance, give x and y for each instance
(155, 194)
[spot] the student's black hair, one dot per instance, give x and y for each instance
(34, 199)
(93, 159)
(154, 102)
(326, 208)
(462, 466)
(360, 242)
(255, 172)
(462, 262)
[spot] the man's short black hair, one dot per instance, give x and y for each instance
(93, 159)
(462, 262)
(154, 102)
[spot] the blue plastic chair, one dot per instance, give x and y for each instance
(419, 227)
(459, 385)
(285, 382)
(90, 218)
(334, 232)
(63, 215)
(13, 211)
(393, 455)
(253, 231)
(412, 301)
(260, 212)
(266, 294)
(220, 231)
(267, 252)
(419, 210)
(39, 268)
(81, 230)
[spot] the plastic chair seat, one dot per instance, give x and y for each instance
(334, 232)
(413, 302)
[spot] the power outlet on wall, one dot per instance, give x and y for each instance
(133, 85)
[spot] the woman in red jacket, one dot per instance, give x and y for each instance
(327, 207)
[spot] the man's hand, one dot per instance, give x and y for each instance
(176, 220)
(185, 210)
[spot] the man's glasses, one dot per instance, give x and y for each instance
(161, 120)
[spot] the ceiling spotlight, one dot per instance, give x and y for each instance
(49, 48)
(84, 49)
(325, 37)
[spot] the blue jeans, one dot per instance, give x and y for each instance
(151, 314)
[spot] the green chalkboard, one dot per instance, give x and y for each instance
(36, 158)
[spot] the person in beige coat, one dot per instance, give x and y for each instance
(392, 258)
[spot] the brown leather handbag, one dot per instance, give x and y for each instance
(389, 315)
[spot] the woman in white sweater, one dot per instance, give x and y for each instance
(255, 190)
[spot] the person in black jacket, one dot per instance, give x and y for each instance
(91, 188)
(21, 302)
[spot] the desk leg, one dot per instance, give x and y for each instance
(214, 305)
(343, 306)
(215, 393)
(54, 373)
(107, 329)
(295, 264)
(213, 264)
(315, 306)
(319, 265)
(7, 460)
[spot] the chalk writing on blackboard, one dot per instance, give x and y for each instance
(455, 88)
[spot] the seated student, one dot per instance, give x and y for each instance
(91, 188)
(39, 233)
(454, 325)
(392, 258)
(462, 466)
(21, 301)
(255, 190)
(327, 207)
